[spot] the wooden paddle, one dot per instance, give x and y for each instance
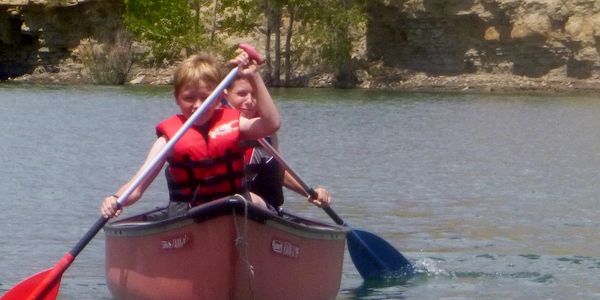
(373, 257)
(44, 285)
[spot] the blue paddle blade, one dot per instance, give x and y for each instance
(375, 258)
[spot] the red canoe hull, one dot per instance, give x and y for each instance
(219, 253)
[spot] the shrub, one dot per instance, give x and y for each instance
(108, 63)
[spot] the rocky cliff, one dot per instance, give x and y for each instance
(39, 36)
(545, 39)
(407, 42)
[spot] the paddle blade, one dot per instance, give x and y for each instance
(375, 258)
(43, 285)
(25, 288)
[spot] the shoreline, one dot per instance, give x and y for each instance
(418, 82)
(496, 83)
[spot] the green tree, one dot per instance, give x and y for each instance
(296, 33)
(318, 32)
(334, 25)
(299, 33)
(168, 25)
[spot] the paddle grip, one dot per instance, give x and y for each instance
(252, 53)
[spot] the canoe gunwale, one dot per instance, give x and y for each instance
(288, 222)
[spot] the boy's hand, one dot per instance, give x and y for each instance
(323, 197)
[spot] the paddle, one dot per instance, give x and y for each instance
(44, 285)
(373, 257)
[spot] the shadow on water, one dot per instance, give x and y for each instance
(389, 288)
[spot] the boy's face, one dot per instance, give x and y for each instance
(191, 96)
(241, 98)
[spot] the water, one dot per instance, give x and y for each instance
(490, 196)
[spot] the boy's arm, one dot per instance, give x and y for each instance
(268, 121)
(109, 208)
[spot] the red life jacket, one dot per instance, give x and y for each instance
(207, 165)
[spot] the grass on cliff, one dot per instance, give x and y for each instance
(108, 63)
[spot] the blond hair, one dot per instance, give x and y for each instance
(197, 68)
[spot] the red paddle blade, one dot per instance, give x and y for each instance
(41, 286)
(23, 290)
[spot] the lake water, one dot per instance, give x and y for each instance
(490, 196)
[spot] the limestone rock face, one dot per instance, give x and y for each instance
(39, 34)
(532, 38)
(546, 39)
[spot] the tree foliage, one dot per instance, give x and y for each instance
(325, 32)
(168, 25)
(304, 32)
(240, 16)
(335, 25)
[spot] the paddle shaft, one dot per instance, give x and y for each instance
(336, 218)
(56, 272)
(158, 159)
(353, 235)
(44, 285)
(189, 123)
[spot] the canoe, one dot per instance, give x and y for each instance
(225, 249)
